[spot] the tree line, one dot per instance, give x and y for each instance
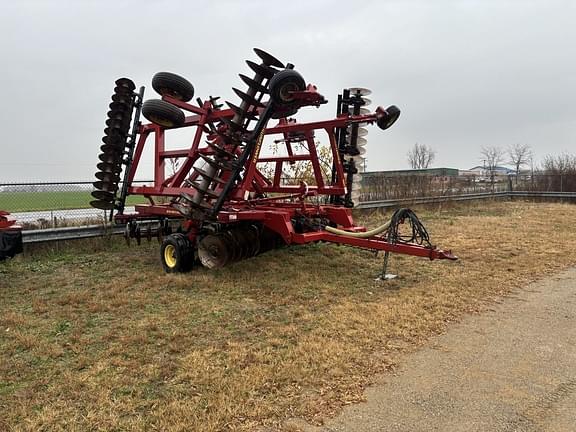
(519, 156)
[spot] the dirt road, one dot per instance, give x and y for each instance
(512, 368)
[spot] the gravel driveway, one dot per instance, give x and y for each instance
(512, 368)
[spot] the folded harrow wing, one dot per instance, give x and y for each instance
(225, 196)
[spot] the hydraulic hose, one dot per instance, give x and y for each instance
(365, 234)
(415, 233)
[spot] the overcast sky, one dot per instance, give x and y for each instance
(465, 74)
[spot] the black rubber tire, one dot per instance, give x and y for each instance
(169, 84)
(392, 114)
(181, 250)
(163, 113)
(282, 83)
(10, 244)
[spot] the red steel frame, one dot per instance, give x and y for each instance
(286, 202)
(7, 223)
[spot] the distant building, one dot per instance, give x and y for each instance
(483, 174)
(435, 172)
(483, 171)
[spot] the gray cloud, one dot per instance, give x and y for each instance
(465, 73)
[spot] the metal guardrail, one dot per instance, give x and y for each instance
(74, 233)
(70, 233)
(427, 200)
(465, 197)
(521, 194)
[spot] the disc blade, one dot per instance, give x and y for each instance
(268, 59)
(240, 112)
(126, 83)
(262, 70)
(119, 106)
(103, 195)
(219, 151)
(247, 98)
(109, 167)
(367, 101)
(358, 160)
(253, 84)
(111, 158)
(214, 251)
(361, 91)
(102, 205)
(204, 174)
(105, 187)
(122, 98)
(111, 149)
(203, 191)
(234, 127)
(222, 165)
(108, 177)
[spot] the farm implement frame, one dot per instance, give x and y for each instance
(228, 196)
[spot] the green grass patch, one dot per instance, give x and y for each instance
(38, 201)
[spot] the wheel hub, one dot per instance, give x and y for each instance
(170, 256)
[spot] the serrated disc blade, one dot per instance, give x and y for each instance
(204, 174)
(268, 59)
(248, 99)
(239, 111)
(234, 127)
(253, 84)
(262, 70)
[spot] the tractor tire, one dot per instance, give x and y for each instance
(284, 82)
(163, 113)
(10, 244)
(177, 253)
(169, 84)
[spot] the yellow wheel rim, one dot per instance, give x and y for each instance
(161, 121)
(170, 256)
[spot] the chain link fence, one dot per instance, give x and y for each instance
(57, 204)
(380, 186)
(54, 204)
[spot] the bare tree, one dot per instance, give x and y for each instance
(520, 155)
(559, 164)
(420, 156)
(492, 156)
(560, 172)
(174, 165)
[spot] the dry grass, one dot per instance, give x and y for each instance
(103, 340)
